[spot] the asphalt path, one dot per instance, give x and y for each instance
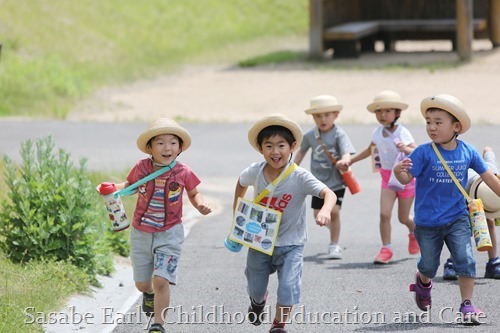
(351, 294)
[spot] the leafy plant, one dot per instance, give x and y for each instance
(50, 211)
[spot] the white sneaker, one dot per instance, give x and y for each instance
(334, 252)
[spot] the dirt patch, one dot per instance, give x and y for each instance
(227, 94)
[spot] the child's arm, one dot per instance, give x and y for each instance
(407, 149)
(492, 181)
(198, 202)
(401, 171)
(362, 154)
(300, 156)
(324, 215)
(239, 192)
(121, 186)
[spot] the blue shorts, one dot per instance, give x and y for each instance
(287, 261)
(457, 237)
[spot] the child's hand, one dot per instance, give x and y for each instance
(322, 219)
(403, 166)
(342, 165)
(204, 208)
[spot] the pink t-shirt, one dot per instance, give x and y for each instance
(159, 201)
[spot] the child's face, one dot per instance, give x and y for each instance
(325, 120)
(277, 151)
(440, 126)
(385, 116)
(164, 148)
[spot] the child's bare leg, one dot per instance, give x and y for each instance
(492, 253)
(387, 199)
(282, 314)
(404, 206)
(144, 287)
(162, 298)
(466, 285)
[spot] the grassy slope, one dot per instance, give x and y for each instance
(64, 50)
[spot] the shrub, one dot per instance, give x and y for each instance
(50, 211)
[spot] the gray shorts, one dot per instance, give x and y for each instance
(156, 253)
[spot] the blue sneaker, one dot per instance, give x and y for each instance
(449, 270)
(492, 269)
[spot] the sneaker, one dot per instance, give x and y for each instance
(334, 252)
(449, 270)
(384, 256)
(470, 313)
(413, 247)
(148, 304)
(493, 269)
(422, 294)
(277, 330)
(255, 310)
(156, 328)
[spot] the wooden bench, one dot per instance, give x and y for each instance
(423, 29)
(349, 39)
(346, 39)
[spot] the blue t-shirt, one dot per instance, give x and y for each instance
(438, 200)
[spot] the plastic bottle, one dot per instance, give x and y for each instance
(114, 205)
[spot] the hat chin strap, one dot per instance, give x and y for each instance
(158, 164)
(455, 135)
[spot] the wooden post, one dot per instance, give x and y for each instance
(316, 29)
(494, 22)
(465, 29)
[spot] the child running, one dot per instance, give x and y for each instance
(391, 138)
(276, 137)
(325, 109)
(441, 214)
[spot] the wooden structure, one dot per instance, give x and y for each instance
(353, 26)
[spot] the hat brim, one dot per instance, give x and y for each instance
(274, 120)
(324, 109)
(473, 193)
(437, 102)
(372, 107)
(144, 138)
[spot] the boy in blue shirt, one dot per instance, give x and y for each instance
(441, 214)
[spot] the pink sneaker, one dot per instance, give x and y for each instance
(413, 247)
(384, 256)
(470, 313)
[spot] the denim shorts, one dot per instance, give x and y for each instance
(156, 253)
(287, 261)
(457, 237)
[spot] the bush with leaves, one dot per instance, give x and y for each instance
(51, 211)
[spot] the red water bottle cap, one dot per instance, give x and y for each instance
(107, 188)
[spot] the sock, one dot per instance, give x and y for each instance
(387, 246)
(424, 284)
(333, 244)
(276, 323)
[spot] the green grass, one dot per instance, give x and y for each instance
(35, 287)
(65, 50)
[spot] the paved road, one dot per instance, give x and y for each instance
(211, 296)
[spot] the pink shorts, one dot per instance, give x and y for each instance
(407, 192)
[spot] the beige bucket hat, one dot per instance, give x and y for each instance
(387, 99)
(491, 202)
(322, 104)
(163, 126)
(449, 104)
(275, 119)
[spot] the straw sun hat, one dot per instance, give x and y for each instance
(275, 119)
(387, 99)
(163, 126)
(322, 104)
(491, 202)
(449, 104)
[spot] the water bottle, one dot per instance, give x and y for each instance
(114, 206)
(232, 245)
